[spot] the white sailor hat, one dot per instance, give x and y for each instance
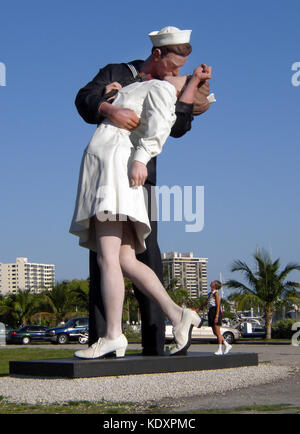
(170, 36)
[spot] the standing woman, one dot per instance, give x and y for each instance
(215, 316)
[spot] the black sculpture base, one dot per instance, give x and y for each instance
(130, 365)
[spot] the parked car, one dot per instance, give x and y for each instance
(205, 332)
(26, 334)
(71, 331)
(252, 330)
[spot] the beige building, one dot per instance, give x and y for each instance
(191, 272)
(25, 275)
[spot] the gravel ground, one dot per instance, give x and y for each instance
(137, 388)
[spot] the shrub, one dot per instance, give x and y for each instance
(283, 329)
(132, 333)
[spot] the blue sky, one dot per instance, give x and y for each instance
(244, 150)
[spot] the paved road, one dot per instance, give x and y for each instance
(282, 392)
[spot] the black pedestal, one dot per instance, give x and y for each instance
(130, 365)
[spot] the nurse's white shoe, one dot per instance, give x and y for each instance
(182, 332)
(103, 347)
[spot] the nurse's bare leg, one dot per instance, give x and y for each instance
(108, 237)
(144, 278)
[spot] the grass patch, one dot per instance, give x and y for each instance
(71, 407)
(22, 354)
(105, 407)
(254, 408)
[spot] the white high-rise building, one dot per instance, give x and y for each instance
(24, 275)
(190, 272)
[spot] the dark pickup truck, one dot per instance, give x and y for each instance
(71, 331)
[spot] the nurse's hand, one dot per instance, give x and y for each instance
(112, 89)
(138, 174)
(121, 117)
(202, 72)
(113, 86)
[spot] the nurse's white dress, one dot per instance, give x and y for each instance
(103, 187)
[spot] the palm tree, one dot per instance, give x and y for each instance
(179, 295)
(59, 299)
(6, 311)
(197, 303)
(79, 289)
(19, 307)
(266, 286)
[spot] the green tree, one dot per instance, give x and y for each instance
(17, 308)
(267, 286)
(6, 311)
(179, 295)
(79, 290)
(196, 303)
(60, 300)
